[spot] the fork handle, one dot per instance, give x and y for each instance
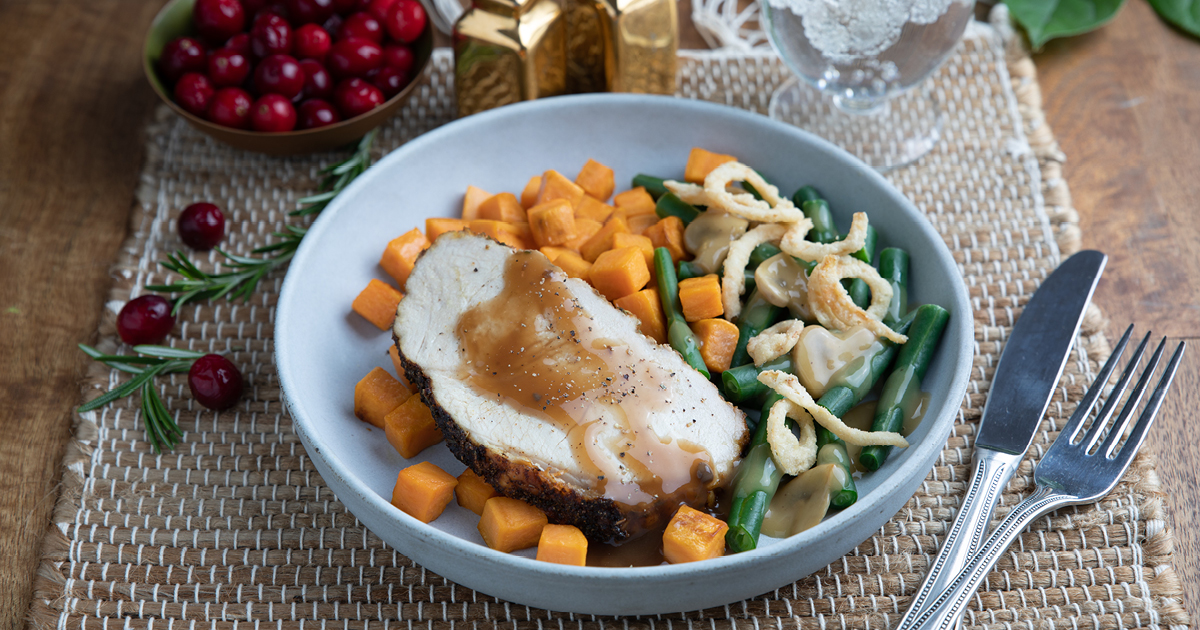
(943, 611)
(993, 470)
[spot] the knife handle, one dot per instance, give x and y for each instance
(993, 470)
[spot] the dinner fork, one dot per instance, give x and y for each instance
(1072, 472)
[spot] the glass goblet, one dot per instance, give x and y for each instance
(858, 61)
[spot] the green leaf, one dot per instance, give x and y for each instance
(1182, 13)
(1044, 20)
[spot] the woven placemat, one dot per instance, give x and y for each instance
(235, 529)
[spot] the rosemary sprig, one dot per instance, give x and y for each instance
(337, 177)
(161, 428)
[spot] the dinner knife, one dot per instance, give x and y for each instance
(1032, 360)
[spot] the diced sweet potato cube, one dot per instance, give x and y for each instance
(620, 272)
(508, 524)
(438, 226)
(502, 207)
(521, 229)
(574, 266)
(646, 306)
(635, 201)
(377, 303)
(553, 252)
(693, 535)
(602, 240)
(562, 544)
(401, 254)
(668, 233)
(423, 490)
(471, 200)
(585, 229)
(589, 208)
(394, 353)
(530, 193)
(640, 223)
(718, 339)
(473, 491)
(410, 428)
(701, 298)
(596, 180)
(552, 222)
(501, 231)
(641, 242)
(557, 186)
(376, 395)
(700, 163)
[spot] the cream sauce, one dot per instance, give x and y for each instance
(803, 501)
(822, 357)
(708, 237)
(862, 416)
(782, 282)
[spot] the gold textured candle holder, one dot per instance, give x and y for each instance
(641, 38)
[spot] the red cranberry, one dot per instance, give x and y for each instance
(228, 67)
(231, 107)
(239, 43)
(317, 113)
(333, 26)
(270, 35)
(194, 92)
(218, 19)
(215, 382)
(146, 319)
(380, 8)
(273, 114)
(406, 21)
(349, 6)
(252, 7)
(354, 57)
(309, 11)
(362, 25)
(181, 56)
(399, 56)
(279, 74)
(355, 96)
(201, 226)
(312, 42)
(390, 81)
(317, 82)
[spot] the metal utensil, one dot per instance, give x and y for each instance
(1033, 359)
(1072, 472)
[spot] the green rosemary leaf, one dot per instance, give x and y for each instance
(165, 352)
(124, 390)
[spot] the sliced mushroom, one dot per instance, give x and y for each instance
(782, 282)
(708, 237)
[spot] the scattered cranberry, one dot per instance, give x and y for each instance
(201, 226)
(231, 107)
(317, 113)
(406, 21)
(194, 92)
(390, 81)
(270, 35)
(355, 96)
(362, 25)
(312, 42)
(239, 43)
(399, 57)
(181, 56)
(317, 82)
(279, 74)
(273, 113)
(354, 57)
(309, 11)
(146, 319)
(218, 19)
(228, 67)
(380, 8)
(215, 382)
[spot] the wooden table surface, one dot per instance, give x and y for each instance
(1121, 101)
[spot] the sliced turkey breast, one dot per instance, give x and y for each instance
(549, 392)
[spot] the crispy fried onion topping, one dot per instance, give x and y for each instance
(775, 341)
(832, 306)
(789, 387)
(689, 193)
(772, 208)
(792, 456)
(734, 282)
(793, 243)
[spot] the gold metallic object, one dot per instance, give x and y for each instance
(585, 46)
(506, 51)
(640, 42)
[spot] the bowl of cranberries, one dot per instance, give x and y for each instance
(288, 76)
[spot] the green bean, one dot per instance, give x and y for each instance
(689, 270)
(669, 205)
(823, 230)
(679, 334)
(903, 385)
(752, 190)
(867, 253)
(741, 383)
(832, 450)
(754, 484)
(652, 184)
(893, 266)
(756, 316)
(806, 193)
(761, 253)
(860, 292)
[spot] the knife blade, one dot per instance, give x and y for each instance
(1030, 364)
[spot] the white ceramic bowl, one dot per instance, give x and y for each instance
(323, 349)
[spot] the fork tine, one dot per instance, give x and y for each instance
(1110, 405)
(1088, 403)
(1138, 434)
(1135, 400)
